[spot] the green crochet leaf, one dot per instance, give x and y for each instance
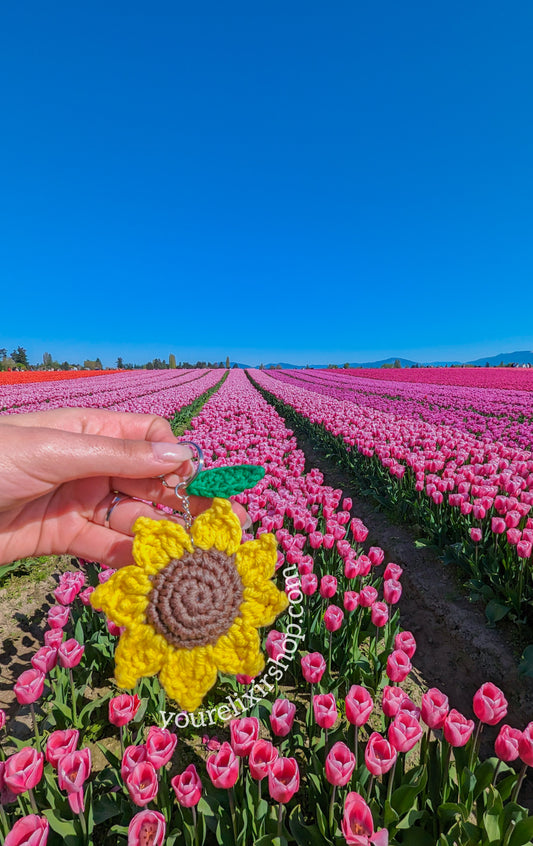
(226, 481)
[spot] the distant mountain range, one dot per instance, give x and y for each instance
(518, 357)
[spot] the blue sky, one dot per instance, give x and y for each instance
(287, 181)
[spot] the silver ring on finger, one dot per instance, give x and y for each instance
(118, 497)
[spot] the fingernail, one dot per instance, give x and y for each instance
(247, 523)
(171, 453)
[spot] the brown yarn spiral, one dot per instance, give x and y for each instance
(195, 599)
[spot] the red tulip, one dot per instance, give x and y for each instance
(328, 587)
(244, 733)
(73, 771)
(45, 659)
(404, 732)
(147, 827)
(262, 756)
(23, 770)
(160, 745)
(507, 744)
(283, 779)
(313, 667)
(282, 717)
(406, 642)
(525, 745)
(359, 705)
(29, 686)
(142, 783)
(358, 825)
(340, 763)
(70, 653)
(398, 666)
(123, 708)
(187, 787)
(434, 708)
(333, 618)
(325, 708)
(28, 831)
(490, 705)
(223, 767)
(60, 743)
(457, 729)
(380, 754)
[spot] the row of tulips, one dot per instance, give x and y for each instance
(473, 497)
(408, 784)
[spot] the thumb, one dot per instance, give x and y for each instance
(37, 459)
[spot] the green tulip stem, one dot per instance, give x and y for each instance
(518, 784)
(329, 654)
(391, 780)
(332, 811)
(280, 818)
(3, 820)
(121, 731)
(259, 780)
(496, 771)
(84, 828)
(33, 803)
(370, 786)
(508, 833)
(356, 745)
(310, 732)
(445, 767)
(195, 824)
(73, 697)
(475, 745)
(232, 811)
(35, 727)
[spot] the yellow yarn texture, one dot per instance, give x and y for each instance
(191, 605)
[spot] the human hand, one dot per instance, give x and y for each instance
(59, 470)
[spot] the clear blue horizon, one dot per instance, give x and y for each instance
(278, 184)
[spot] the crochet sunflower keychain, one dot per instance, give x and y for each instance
(192, 603)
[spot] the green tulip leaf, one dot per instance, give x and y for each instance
(226, 481)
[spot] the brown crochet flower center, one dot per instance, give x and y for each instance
(195, 599)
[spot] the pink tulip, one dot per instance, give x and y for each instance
(223, 767)
(58, 616)
(404, 732)
(340, 763)
(379, 614)
(333, 618)
(325, 709)
(406, 642)
(28, 831)
(65, 594)
(524, 549)
(434, 708)
(243, 679)
(275, 644)
(283, 779)
(313, 667)
(6, 795)
(53, 637)
(525, 745)
(364, 565)
(490, 705)
(73, 770)
(23, 770)
(392, 591)
(392, 700)
(282, 717)
(358, 825)
(29, 686)
(457, 729)
(60, 743)
(351, 568)
(350, 600)
(359, 530)
(123, 708)
(328, 586)
(367, 596)
(187, 787)
(147, 827)
(309, 584)
(376, 555)
(262, 756)
(70, 653)
(328, 541)
(2, 718)
(45, 659)
(85, 595)
(392, 571)
(359, 705)
(398, 666)
(507, 744)
(160, 745)
(476, 535)
(497, 525)
(133, 755)
(244, 733)
(142, 783)
(380, 755)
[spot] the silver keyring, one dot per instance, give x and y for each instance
(112, 505)
(198, 467)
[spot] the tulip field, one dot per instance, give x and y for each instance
(334, 742)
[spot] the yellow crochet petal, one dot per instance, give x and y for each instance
(188, 674)
(238, 650)
(140, 652)
(262, 604)
(219, 526)
(256, 559)
(124, 597)
(157, 542)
